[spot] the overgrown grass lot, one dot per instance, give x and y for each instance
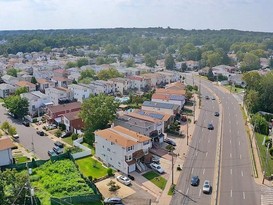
(58, 179)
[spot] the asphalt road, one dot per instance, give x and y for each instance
(200, 160)
(28, 136)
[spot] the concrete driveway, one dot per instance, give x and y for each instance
(28, 137)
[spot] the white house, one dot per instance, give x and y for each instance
(121, 84)
(79, 92)
(139, 82)
(123, 149)
(5, 151)
(169, 98)
(56, 94)
(6, 90)
(167, 108)
(102, 86)
(10, 79)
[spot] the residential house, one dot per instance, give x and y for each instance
(30, 86)
(123, 149)
(55, 112)
(170, 76)
(61, 82)
(142, 124)
(73, 122)
(140, 82)
(171, 109)
(62, 73)
(79, 92)
(58, 95)
(6, 90)
(192, 65)
(176, 86)
(37, 102)
(121, 84)
(25, 77)
(156, 78)
(169, 98)
(5, 151)
(102, 86)
(42, 84)
(237, 79)
(10, 79)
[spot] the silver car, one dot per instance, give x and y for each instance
(206, 187)
(124, 180)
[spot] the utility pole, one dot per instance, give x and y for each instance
(199, 92)
(187, 129)
(172, 164)
(194, 110)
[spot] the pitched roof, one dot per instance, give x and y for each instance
(72, 115)
(160, 105)
(153, 114)
(25, 84)
(64, 107)
(171, 91)
(122, 136)
(6, 143)
(176, 86)
(142, 117)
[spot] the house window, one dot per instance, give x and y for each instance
(146, 142)
(112, 143)
(108, 150)
(128, 158)
(130, 148)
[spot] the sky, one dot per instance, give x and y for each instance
(247, 15)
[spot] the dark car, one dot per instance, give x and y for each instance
(51, 153)
(26, 123)
(66, 134)
(41, 133)
(216, 114)
(58, 150)
(113, 200)
(207, 97)
(170, 142)
(59, 144)
(195, 181)
(210, 126)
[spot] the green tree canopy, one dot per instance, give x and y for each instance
(97, 112)
(12, 71)
(21, 90)
(250, 62)
(108, 74)
(169, 62)
(149, 60)
(88, 73)
(82, 61)
(260, 124)
(130, 62)
(16, 105)
(71, 65)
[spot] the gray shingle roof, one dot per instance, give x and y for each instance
(160, 105)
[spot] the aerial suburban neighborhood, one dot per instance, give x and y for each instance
(165, 121)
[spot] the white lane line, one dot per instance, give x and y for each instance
(238, 132)
(229, 122)
(231, 193)
(196, 153)
(230, 141)
(187, 191)
(199, 141)
(204, 171)
(206, 154)
(240, 156)
(200, 192)
(242, 173)
(229, 130)
(192, 170)
(239, 143)
(230, 155)
(244, 196)
(236, 116)
(237, 123)
(229, 114)
(209, 141)
(230, 171)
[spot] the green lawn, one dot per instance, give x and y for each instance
(90, 147)
(269, 169)
(91, 167)
(20, 159)
(156, 179)
(68, 140)
(233, 89)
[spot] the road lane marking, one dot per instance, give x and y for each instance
(192, 170)
(230, 141)
(229, 114)
(209, 141)
(237, 124)
(199, 192)
(242, 173)
(240, 156)
(229, 129)
(199, 141)
(187, 191)
(230, 155)
(206, 154)
(229, 122)
(230, 171)
(239, 143)
(196, 153)
(238, 132)
(204, 171)
(244, 196)
(231, 193)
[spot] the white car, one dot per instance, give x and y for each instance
(206, 187)
(157, 168)
(124, 180)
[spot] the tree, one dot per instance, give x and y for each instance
(47, 49)
(210, 75)
(82, 61)
(169, 62)
(16, 105)
(252, 80)
(33, 80)
(5, 126)
(88, 73)
(184, 67)
(260, 124)
(149, 60)
(12, 130)
(97, 112)
(12, 71)
(21, 90)
(250, 62)
(71, 65)
(130, 62)
(108, 74)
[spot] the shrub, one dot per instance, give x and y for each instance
(58, 133)
(268, 141)
(271, 152)
(74, 136)
(90, 178)
(62, 126)
(110, 172)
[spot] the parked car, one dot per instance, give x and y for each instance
(170, 142)
(213, 98)
(207, 97)
(206, 187)
(41, 133)
(210, 126)
(66, 134)
(131, 177)
(26, 123)
(113, 200)
(124, 180)
(156, 159)
(157, 168)
(195, 181)
(51, 153)
(58, 150)
(216, 114)
(15, 137)
(59, 144)
(52, 126)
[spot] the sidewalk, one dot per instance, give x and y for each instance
(181, 151)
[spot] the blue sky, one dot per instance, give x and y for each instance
(251, 15)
